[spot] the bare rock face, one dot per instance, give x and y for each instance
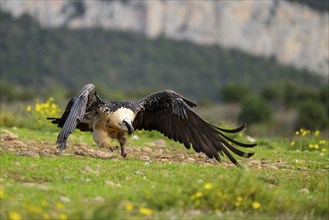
(292, 33)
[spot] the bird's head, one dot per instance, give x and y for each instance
(123, 119)
(127, 126)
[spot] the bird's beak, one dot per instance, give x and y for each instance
(129, 126)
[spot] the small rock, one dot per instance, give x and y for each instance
(28, 184)
(111, 183)
(211, 161)
(88, 169)
(137, 149)
(19, 143)
(150, 144)
(139, 172)
(42, 187)
(103, 155)
(28, 154)
(270, 166)
(64, 199)
(99, 199)
(304, 190)
(160, 143)
(190, 159)
(134, 137)
(271, 186)
(146, 149)
(80, 153)
(46, 154)
(82, 145)
(145, 158)
(255, 162)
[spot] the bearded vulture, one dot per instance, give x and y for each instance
(165, 111)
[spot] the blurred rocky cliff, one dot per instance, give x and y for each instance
(292, 33)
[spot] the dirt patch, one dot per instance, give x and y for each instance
(152, 152)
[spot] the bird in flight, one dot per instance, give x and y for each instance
(166, 112)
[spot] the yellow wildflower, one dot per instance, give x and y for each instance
(28, 108)
(45, 216)
(316, 146)
(62, 216)
(128, 206)
(59, 205)
(37, 107)
(198, 194)
(34, 209)
(145, 211)
(255, 205)
(322, 142)
(316, 133)
(2, 193)
(207, 186)
(324, 150)
(14, 215)
(297, 133)
(238, 201)
(292, 143)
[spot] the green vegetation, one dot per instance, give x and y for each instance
(311, 104)
(36, 60)
(282, 181)
(320, 5)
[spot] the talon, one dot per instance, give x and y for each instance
(124, 155)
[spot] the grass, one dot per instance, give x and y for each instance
(88, 188)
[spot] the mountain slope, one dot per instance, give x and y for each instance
(37, 58)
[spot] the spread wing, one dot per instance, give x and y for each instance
(172, 115)
(75, 113)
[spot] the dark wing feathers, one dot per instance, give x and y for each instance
(74, 114)
(173, 116)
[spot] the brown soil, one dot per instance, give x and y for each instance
(155, 151)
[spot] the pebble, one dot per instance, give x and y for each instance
(28, 154)
(139, 172)
(64, 199)
(270, 167)
(82, 145)
(304, 190)
(146, 149)
(145, 158)
(137, 149)
(99, 199)
(160, 143)
(103, 155)
(88, 169)
(111, 183)
(255, 162)
(190, 159)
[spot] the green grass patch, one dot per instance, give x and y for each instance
(87, 188)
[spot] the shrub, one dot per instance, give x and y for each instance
(235, 92)
(255, 109)
(312, 115)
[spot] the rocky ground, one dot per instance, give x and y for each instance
(155, 151)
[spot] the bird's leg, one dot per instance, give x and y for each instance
(102, 139)
(122, 141)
